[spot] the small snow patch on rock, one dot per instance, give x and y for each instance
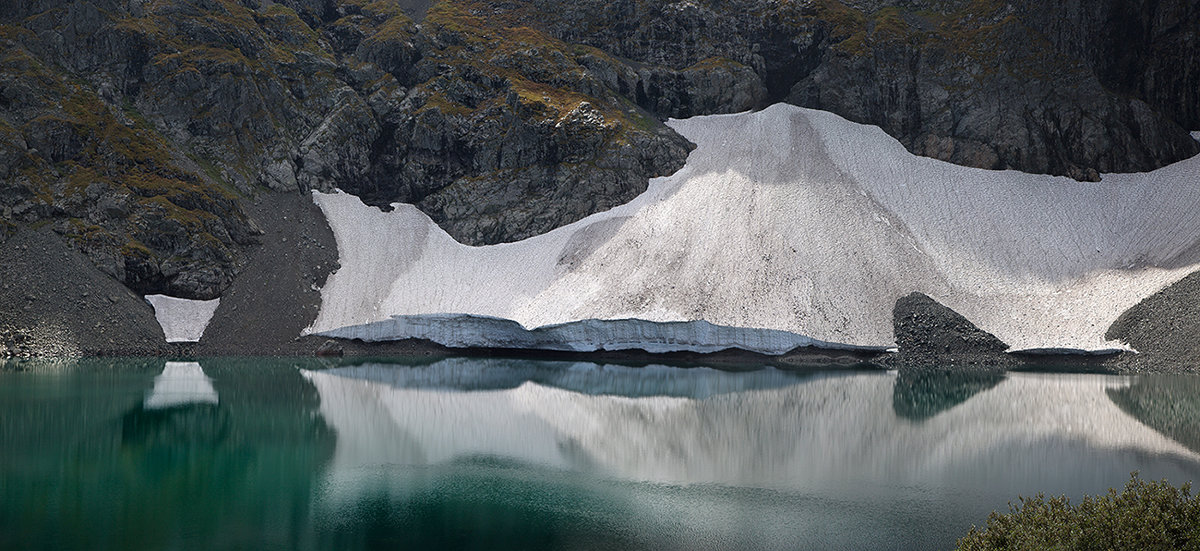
(182, 320)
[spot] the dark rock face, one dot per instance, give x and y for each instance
(1041, 87)
(1148, 49)
(1045, 87)
(983, 88)
(932, 337)
(503, 133)
(498, 133)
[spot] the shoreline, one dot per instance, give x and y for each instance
(732, 360)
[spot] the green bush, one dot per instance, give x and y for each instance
(1146, 515)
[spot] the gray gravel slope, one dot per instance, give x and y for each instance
(54, 302)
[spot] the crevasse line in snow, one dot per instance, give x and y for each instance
(797, 221)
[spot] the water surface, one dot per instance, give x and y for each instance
(469, 453)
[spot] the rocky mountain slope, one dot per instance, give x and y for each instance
(137, 129)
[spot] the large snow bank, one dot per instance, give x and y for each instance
(182, 320)
(795, 221)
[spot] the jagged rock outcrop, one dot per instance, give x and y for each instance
(108, 181)
(980, 87)
(1148, 49)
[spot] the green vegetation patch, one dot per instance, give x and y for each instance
(1145, 515)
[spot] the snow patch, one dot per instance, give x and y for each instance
(789, 220)
(182, 320)
(1196, 135)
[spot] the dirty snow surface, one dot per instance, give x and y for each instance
(790, 220)
(182, 320)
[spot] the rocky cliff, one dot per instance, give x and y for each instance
(1067, 88)
(136, 129)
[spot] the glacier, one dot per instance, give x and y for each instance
(181, 319)
(786, 227)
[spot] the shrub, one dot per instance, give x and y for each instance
(1146, 515)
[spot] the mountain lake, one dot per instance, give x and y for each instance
(304, 453)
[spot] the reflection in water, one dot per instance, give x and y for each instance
(799, 436)
(921, 394)
(822, 458)
(138, 455)
(234, 454)
(1170, 404)
(582, 377)
(179, 384)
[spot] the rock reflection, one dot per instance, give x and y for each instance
(1169, 404)
(919, 394)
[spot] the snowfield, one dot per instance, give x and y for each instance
(789, 220)
(181, 319)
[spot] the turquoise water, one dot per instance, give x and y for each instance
(513, 454)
